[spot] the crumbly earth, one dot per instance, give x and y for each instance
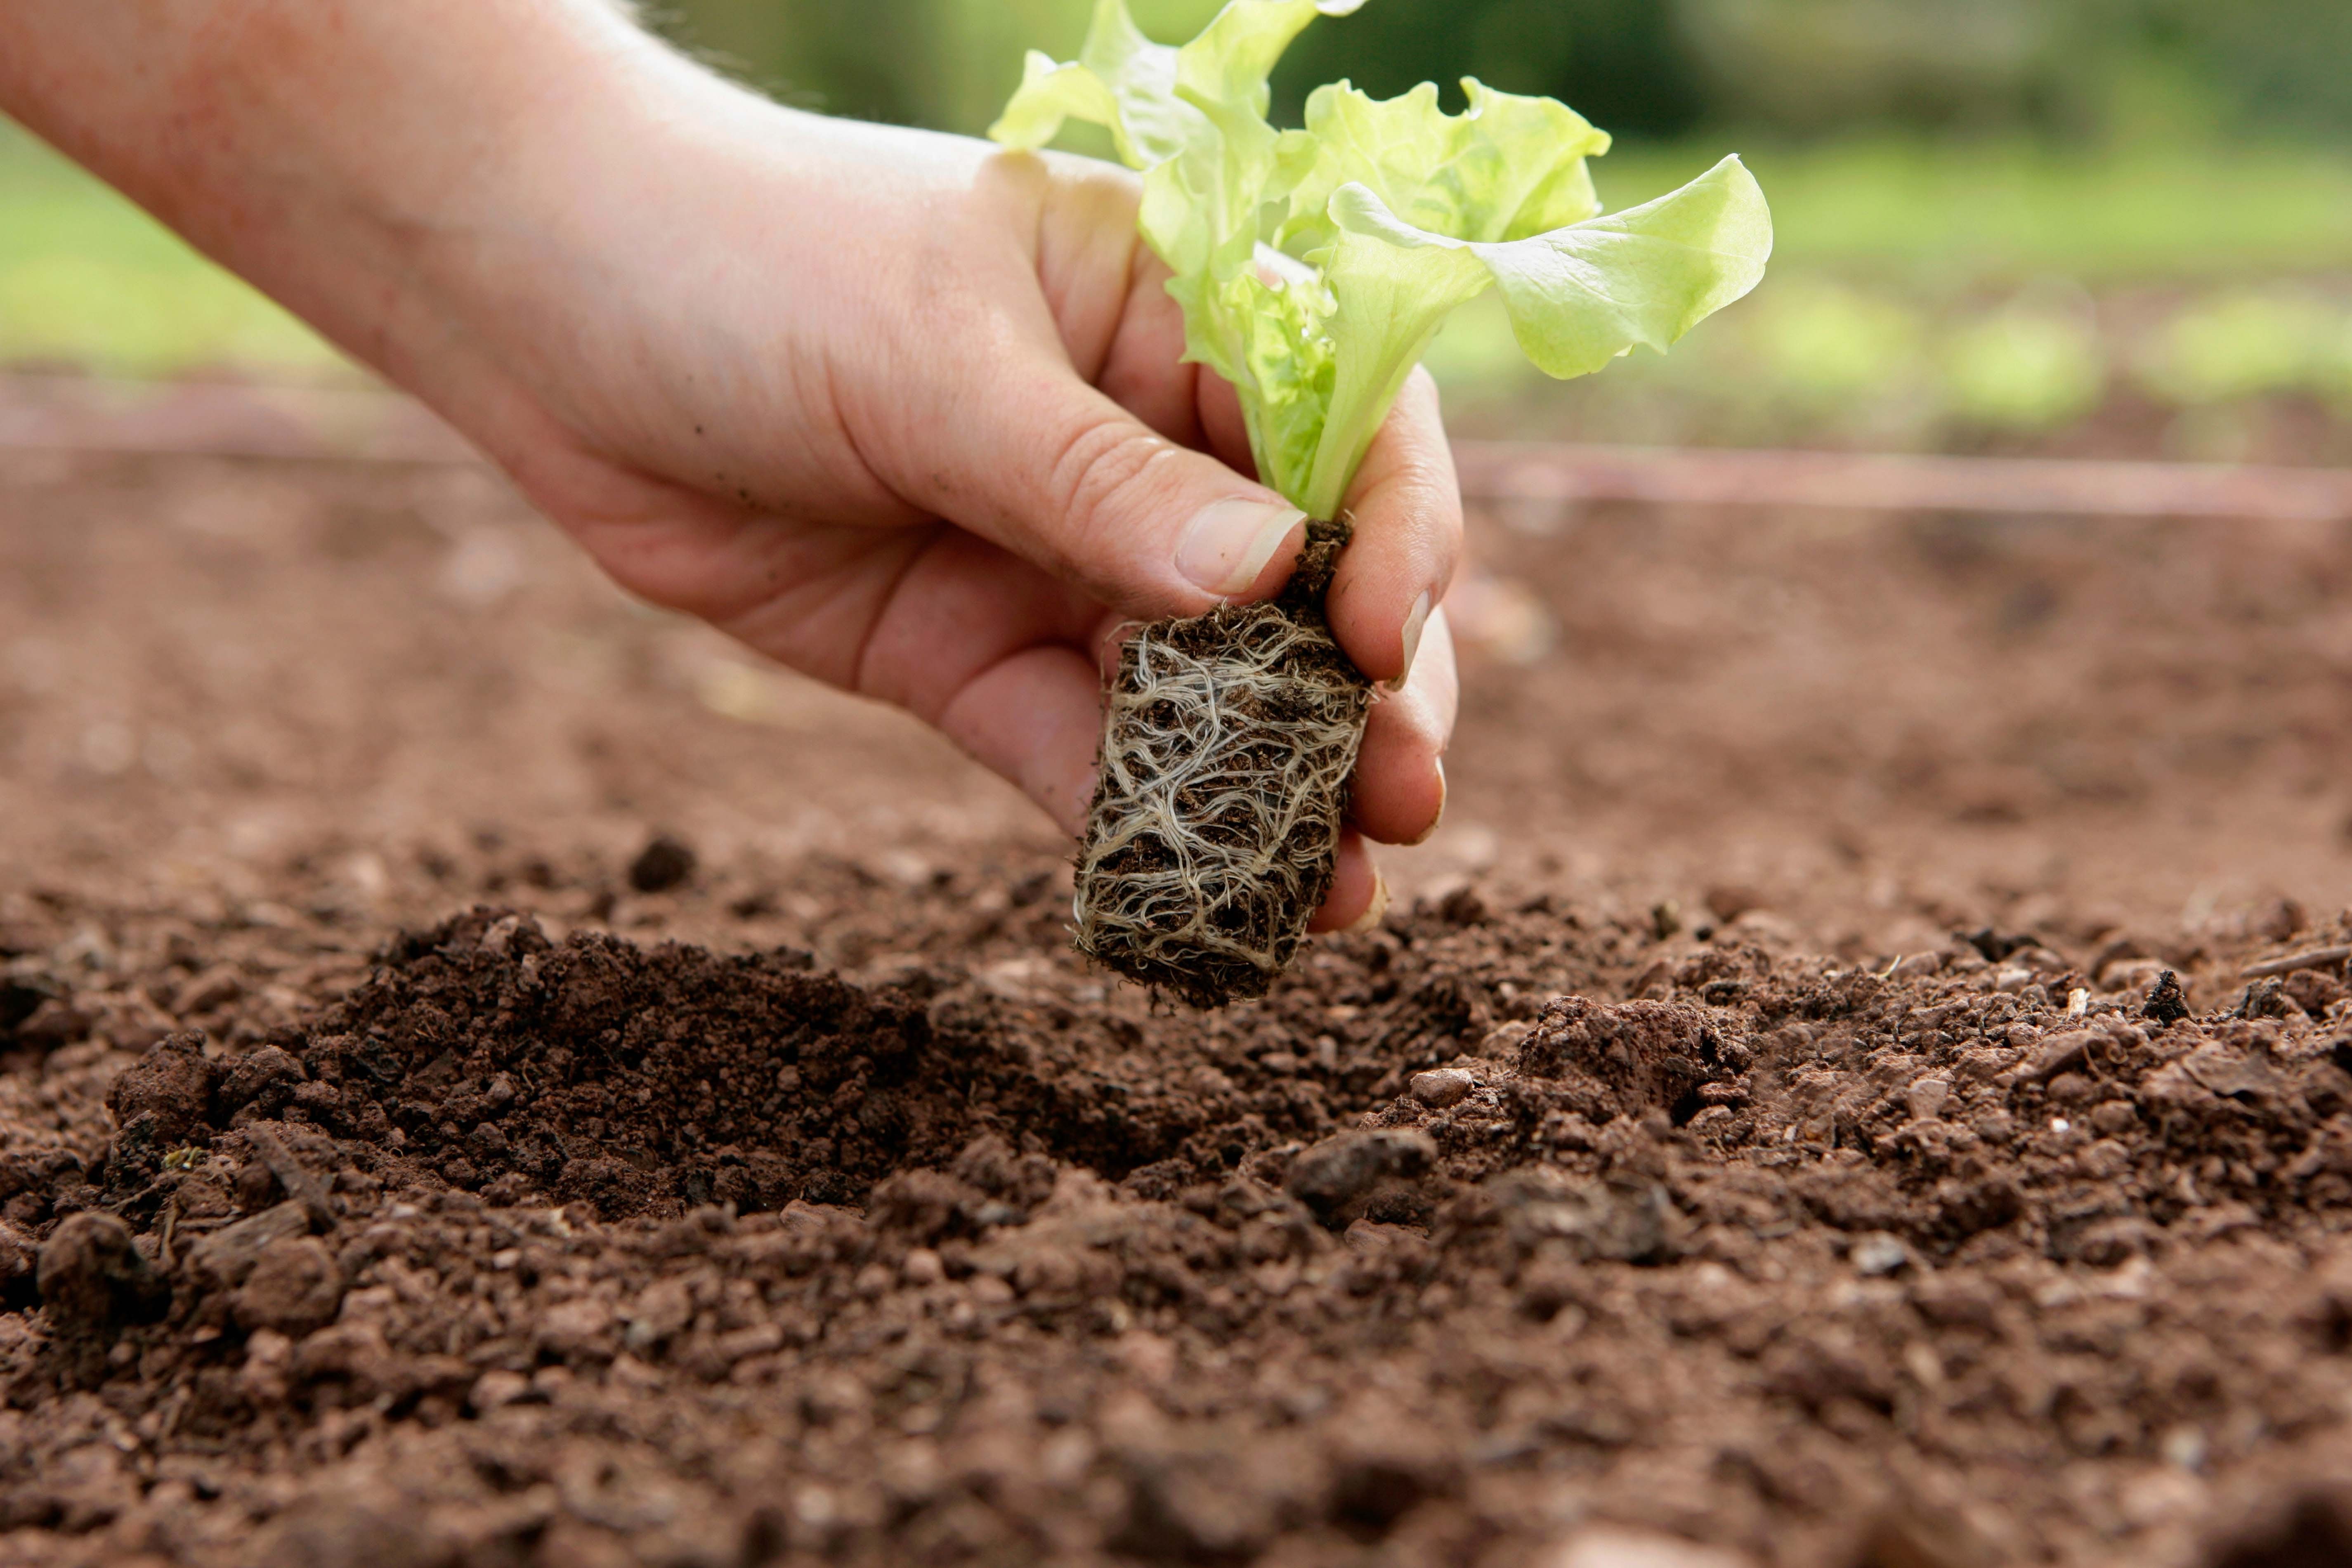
(488, 1076)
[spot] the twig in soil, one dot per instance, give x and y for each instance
(2317, 958)
(228, 1254)
(300, 1185)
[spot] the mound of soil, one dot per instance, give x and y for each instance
(539, 1251)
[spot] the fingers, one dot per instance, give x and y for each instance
(1057, 473)
(1358, 895)
(1221, 427)
(993, 422)
(1398, 791)
(1407, 510)
(1035, 718)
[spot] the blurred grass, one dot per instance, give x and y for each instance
(1923, 293)
(89, 281)
(1959, 214)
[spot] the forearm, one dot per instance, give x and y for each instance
(354, 157)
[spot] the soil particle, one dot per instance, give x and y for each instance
(1339, 1177)
(172, 1088)
(295, 1286)
(260, 1085)
(2165, 1005)
(1441, 1086)
(94, 1283)
(663, 864)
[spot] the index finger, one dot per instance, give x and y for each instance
(1406, 506)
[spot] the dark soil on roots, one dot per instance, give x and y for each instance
(1214, 828)
(1809, 1106)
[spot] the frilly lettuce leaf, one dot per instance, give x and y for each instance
(1578, 295)
(1314, 265)
(1507, 167)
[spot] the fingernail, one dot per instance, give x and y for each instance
(1414, 622)
(1440, 816)
(1228, 543)
(1373, 910)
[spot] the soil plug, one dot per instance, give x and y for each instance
(1313, 268)
(1215, 822)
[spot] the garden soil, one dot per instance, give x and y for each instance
(489, 1074)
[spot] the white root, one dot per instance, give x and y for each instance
(1226, 752)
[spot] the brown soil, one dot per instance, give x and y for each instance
(491, 1077)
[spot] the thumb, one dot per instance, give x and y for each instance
(1057, 473)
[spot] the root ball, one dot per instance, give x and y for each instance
(1226, 752)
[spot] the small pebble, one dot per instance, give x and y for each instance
(1441, 1086)
(1927, 1096)
(923, 1266)
(1878, 1254)
(1609, 1546)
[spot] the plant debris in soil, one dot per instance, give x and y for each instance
(581, 1251)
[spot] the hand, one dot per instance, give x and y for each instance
(898, 410)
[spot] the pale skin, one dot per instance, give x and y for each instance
(898, 410)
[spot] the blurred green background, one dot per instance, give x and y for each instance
(2095, 226)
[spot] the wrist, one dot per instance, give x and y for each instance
(351, 158)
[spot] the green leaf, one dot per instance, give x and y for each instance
(1194, 119)
(1578, 295)
(1121, 81)
(1505, 168)
(1388, 298)
(1582, 295)
(1269, 339)
(1314, 265)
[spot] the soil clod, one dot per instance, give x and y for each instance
(2166, 1004)
(663, 864)
(95, 1282)
(172, 1087)
(1338, 1177)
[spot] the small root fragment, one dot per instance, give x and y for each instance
(1227, 753)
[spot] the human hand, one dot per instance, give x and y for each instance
(962, 336)
(899, 410)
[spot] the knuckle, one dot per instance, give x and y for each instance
(1097, 469)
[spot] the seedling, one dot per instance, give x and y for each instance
(1313, 267)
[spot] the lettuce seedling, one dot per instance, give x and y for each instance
(1313, 267)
